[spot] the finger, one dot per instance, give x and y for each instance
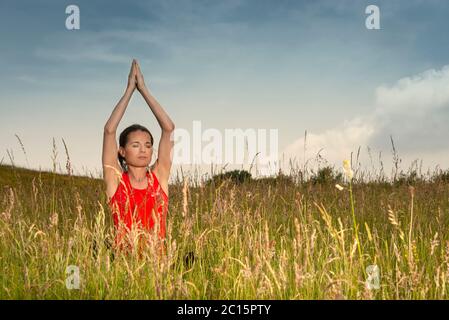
(132, 66)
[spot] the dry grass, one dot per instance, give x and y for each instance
(269, 239)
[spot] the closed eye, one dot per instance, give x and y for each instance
(148, 145)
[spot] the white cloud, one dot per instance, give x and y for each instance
(415, 95)
(414, 111)
(334, 144)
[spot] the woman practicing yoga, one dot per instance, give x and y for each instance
(137, 193)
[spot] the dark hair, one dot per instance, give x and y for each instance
(123, 139)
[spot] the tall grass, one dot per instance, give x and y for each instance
(275, 238)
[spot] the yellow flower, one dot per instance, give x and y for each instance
(348, 171)
(339, 187)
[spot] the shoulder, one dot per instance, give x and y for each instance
(161, 177)
(161, 172)
(113, 188)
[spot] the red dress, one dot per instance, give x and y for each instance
(141, 208)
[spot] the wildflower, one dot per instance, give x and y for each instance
(347, 168)
(339, 187)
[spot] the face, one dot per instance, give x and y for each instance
(138, 150)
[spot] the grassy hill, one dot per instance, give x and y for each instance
(278, 237)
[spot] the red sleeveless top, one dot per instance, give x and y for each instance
(133, 207)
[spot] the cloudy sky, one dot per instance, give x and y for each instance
(286, 65)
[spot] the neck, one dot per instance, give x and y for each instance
(137, 173)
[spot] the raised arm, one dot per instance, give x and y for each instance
(165, 151)
(117, 114)
(162, 118)
(111, 168)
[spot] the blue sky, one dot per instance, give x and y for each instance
(290, 65)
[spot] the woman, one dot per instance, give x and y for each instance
(137, 194)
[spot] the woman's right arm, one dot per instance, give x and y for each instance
(111, 167)
(117, 114)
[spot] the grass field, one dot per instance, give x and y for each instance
(275, 238)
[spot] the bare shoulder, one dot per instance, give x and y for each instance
(161, 176)
(112, 177)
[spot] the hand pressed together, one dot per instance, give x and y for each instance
(135, 77)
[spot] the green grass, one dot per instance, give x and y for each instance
(267, 239)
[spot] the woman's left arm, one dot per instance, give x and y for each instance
(166, 144)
